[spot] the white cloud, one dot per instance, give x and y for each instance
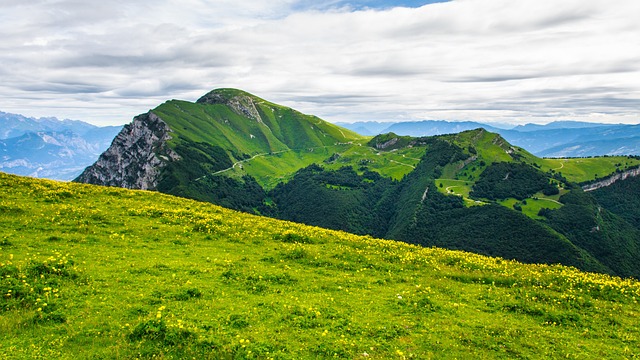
(489, 60)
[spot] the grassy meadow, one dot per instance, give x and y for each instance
(106, 273)
(588, 169)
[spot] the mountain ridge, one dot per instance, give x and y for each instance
(471, 190)
(555, 139)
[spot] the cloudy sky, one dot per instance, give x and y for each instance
(518, 61)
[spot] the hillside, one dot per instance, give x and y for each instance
(622, 199)
(236, 150)
(112, 273)
(468, 183)
(179, 146)
(555, 139)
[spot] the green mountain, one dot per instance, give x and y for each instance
(178, 147)
(470, 191)
(621, 198)
(414, 209)
(94, 272)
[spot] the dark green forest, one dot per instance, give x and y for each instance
(510, 180)
(596, 231)
(580, 234)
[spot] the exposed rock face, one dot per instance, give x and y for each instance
(611, 179)
(387, 144)
(241, 104)
(136, 156)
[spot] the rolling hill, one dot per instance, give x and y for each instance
(234, 149)
(555, 139)
(96, 272)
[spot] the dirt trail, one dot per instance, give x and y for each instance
(398, 162)
(561, 166)
(240, 162)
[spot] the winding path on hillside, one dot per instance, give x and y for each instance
(401, 163)
(256, 156)
(242, 161)
(555, 201)
(561, 165)
(409, 157)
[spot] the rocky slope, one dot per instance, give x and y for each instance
(135, 158)
(611, 180)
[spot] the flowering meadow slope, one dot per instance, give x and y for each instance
(95, 272)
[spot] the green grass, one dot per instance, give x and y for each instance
(458, 188)
(135, 274)
(454, 187)
(530, 207)
(271, 169)
(278, 128)
(218, 125)
(393, 164)
(587, 169)
(533, 205)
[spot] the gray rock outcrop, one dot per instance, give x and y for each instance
(611, 179)
(136, 156)
(242, 104)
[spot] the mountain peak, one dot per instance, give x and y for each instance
(242, 102)
(224, 95)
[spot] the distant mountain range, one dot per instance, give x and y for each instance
(556, 139)
(50, 148)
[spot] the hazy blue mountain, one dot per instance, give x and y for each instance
(566, 124)
(367, 128)
(620, 146)
(13, 125)
(50, 148)
(600, 139)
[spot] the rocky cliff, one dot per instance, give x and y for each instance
(136, 156)
(611, 179)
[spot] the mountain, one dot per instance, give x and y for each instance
(435, 127)
(622, 146)
(177, 146)
(581, 141)
(415, 128)
(96, 272)
(367, 128)
(494, 173)
(556, 125)
(50, 148)
(471, 191)
(14, 125)
(555, 139)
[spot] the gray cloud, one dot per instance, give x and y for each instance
(489, 60)
(62, 87)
